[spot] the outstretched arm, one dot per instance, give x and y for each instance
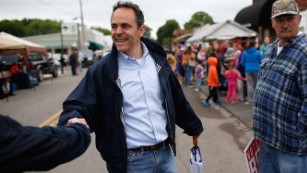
(28, 148)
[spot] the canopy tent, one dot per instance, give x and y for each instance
(6, 42)
(9, 41)
(221, 31)
(184, 36)
(198, 34)
(11, 44)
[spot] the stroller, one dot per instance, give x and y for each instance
(223, 81)
(223, 85)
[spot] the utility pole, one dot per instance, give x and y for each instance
(62, 47)
(82, 26)
(79, 39)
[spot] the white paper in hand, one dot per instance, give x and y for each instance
(196, 162)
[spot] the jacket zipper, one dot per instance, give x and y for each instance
(169, 124)
(122, 108)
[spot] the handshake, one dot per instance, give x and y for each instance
(77, 120)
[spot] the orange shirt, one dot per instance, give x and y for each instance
(213, 78)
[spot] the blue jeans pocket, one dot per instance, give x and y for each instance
(134, 155)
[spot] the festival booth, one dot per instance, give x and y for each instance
(9, 46)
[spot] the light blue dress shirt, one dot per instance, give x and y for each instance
(144, 115)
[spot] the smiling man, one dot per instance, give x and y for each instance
(133, 101)
(280, 100)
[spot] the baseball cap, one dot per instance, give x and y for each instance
(281, 7)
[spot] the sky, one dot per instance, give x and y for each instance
(97, 13)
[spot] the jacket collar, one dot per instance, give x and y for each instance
(155, 50)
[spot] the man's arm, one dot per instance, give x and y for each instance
(81, 102)
(27, 148)
(185, 116)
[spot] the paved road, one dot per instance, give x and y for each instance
(242, 111)
(221, 144)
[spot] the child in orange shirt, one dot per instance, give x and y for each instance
(213, 82)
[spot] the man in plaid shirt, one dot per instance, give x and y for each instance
(280, 99)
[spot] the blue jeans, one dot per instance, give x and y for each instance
(198, 83)
(187, 74)
(159, 161)
(251, 79)
(272, 160)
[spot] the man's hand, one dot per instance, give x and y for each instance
(77, 120)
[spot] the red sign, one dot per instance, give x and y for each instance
(251, 153)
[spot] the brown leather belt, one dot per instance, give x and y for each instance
(149, 148)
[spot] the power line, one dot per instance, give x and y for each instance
(51, 5)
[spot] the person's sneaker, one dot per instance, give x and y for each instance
(205, 103)
(217, 103)
(196, 89)
(243, 99)
(247, 102)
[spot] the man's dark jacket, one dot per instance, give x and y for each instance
(98, 98)
(27, 148)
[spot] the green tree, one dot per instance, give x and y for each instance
(103, 30)
(39, 27)
(165, 32)
(14, 27)
(147, 33)
(198, 19)
(28, 27)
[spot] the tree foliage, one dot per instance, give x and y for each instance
(198, 19)
(165, 32)
(39, 27)
(147, 33)
(102, 30)
(14, 27)
(29, 27)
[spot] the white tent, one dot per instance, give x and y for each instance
(198, 34)
(303, 24)
(221, 31)
(8, 41)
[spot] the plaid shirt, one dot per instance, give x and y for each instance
(280, 100)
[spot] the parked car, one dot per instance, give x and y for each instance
(88, 57)
(36, 61)
(43, 64)
(57, 58)
(6, 61)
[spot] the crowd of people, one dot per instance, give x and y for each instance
(219, 66)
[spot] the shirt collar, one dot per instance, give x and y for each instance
(145, 53)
